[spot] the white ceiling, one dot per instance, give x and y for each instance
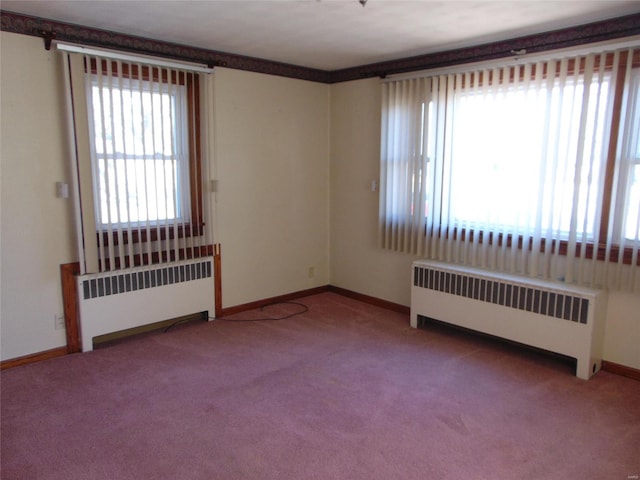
(326, 34)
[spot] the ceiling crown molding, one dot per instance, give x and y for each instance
(605, 30)
(611, 29)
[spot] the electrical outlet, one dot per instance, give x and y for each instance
(312, 272)
(59, 321)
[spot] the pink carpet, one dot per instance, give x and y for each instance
(343, 391)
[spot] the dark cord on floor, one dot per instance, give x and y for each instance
(178, 322)
(304, 307)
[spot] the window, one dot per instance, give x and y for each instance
(140, 150)
(144, 137)
(516, 167)
(141, 167)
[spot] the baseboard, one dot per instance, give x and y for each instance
(378, 302)
(34, 357)
(268, 301)
(620, 370)
(396, 307)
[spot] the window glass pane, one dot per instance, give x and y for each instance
(504, 172)
(491, 153)
(133, 121)
(148, 194)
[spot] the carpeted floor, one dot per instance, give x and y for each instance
(343, 391)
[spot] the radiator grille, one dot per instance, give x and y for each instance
(114, 284)
(528, 298)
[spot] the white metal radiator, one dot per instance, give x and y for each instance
(114, 301)
(555, 317)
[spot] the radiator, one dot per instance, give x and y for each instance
(114, 301)
(555, 317)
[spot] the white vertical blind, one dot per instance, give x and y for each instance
(625, 223)
(146, 201)
(507, 168)
(404, 166)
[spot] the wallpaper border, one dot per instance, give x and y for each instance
(611, 29)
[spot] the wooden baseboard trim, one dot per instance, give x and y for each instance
(68, 273)
(217, 278)
(34, 357)
(621, 370)
(268, 301)
(396, 307)
(378, 302)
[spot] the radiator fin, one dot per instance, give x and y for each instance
(114, 284)
(528, 298)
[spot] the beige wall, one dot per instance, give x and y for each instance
(622, 334)
(35, 225)
(357, 264)
(273, 182)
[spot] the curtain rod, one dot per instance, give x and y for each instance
(127, 57)
(519, 56)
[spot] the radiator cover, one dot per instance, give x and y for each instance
(114, 301)
(552, 316)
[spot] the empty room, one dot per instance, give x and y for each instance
(332, 239)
